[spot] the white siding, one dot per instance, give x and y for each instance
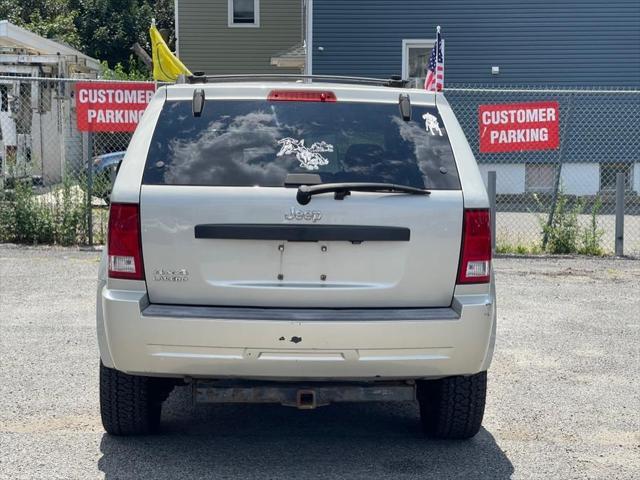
(580, 178)
(576, 178)
(636, 177)
(509, 177)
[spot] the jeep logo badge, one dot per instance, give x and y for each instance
(303, 215)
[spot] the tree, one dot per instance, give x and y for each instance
(55, 19)
(103, 29)
(118, 72)
(110, 27)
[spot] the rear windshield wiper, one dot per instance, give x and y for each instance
(305, 192)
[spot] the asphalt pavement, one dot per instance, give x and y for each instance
(563, 401)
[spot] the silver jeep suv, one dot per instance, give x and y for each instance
(298, 243)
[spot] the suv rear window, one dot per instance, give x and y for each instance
(259, 142)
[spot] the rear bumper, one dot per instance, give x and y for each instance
(253, 343)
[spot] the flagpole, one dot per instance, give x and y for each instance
(442, 42)
(438, 44)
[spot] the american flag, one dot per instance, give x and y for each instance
(435, 71)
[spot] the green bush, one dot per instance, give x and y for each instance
(592, 235)
(518, 248)
(564, 234)
(69, 211)
(24, 219)
(563, 231)
(57, 217)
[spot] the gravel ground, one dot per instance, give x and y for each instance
(563, 395)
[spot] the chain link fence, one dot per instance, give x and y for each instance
(55, 180)
(562, 200)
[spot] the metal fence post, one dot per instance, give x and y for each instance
(88, 154)
(620, 214)
(491, 190)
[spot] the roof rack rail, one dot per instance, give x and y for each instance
(394, 81)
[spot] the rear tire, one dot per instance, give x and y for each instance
(131, 404)
(453, 407)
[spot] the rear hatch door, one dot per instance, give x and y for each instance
(219, 226)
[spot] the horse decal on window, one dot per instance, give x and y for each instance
(309, 157)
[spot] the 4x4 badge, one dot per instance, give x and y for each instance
(163, 275)
(308, 215)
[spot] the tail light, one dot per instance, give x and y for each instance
(475, 258)
(124, 245)
(301, 96)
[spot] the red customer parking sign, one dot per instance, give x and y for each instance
(515, 127)
(111, 106)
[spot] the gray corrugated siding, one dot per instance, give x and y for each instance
(594, 127)
(564, 42)
(208, 44)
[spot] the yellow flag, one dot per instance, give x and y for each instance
(166, 66)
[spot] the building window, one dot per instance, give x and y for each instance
(244, 13)
(415, 57)
(539, 177)
(609, 172)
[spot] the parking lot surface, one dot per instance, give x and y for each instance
(563, 396)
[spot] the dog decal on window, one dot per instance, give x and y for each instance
(431, 124)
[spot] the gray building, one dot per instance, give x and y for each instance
(546, 42)
(240, 36)
(508, 44)
(566, 44)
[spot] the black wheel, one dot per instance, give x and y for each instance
(131, 404)
(452, 407)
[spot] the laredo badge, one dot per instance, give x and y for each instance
(163, 275)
